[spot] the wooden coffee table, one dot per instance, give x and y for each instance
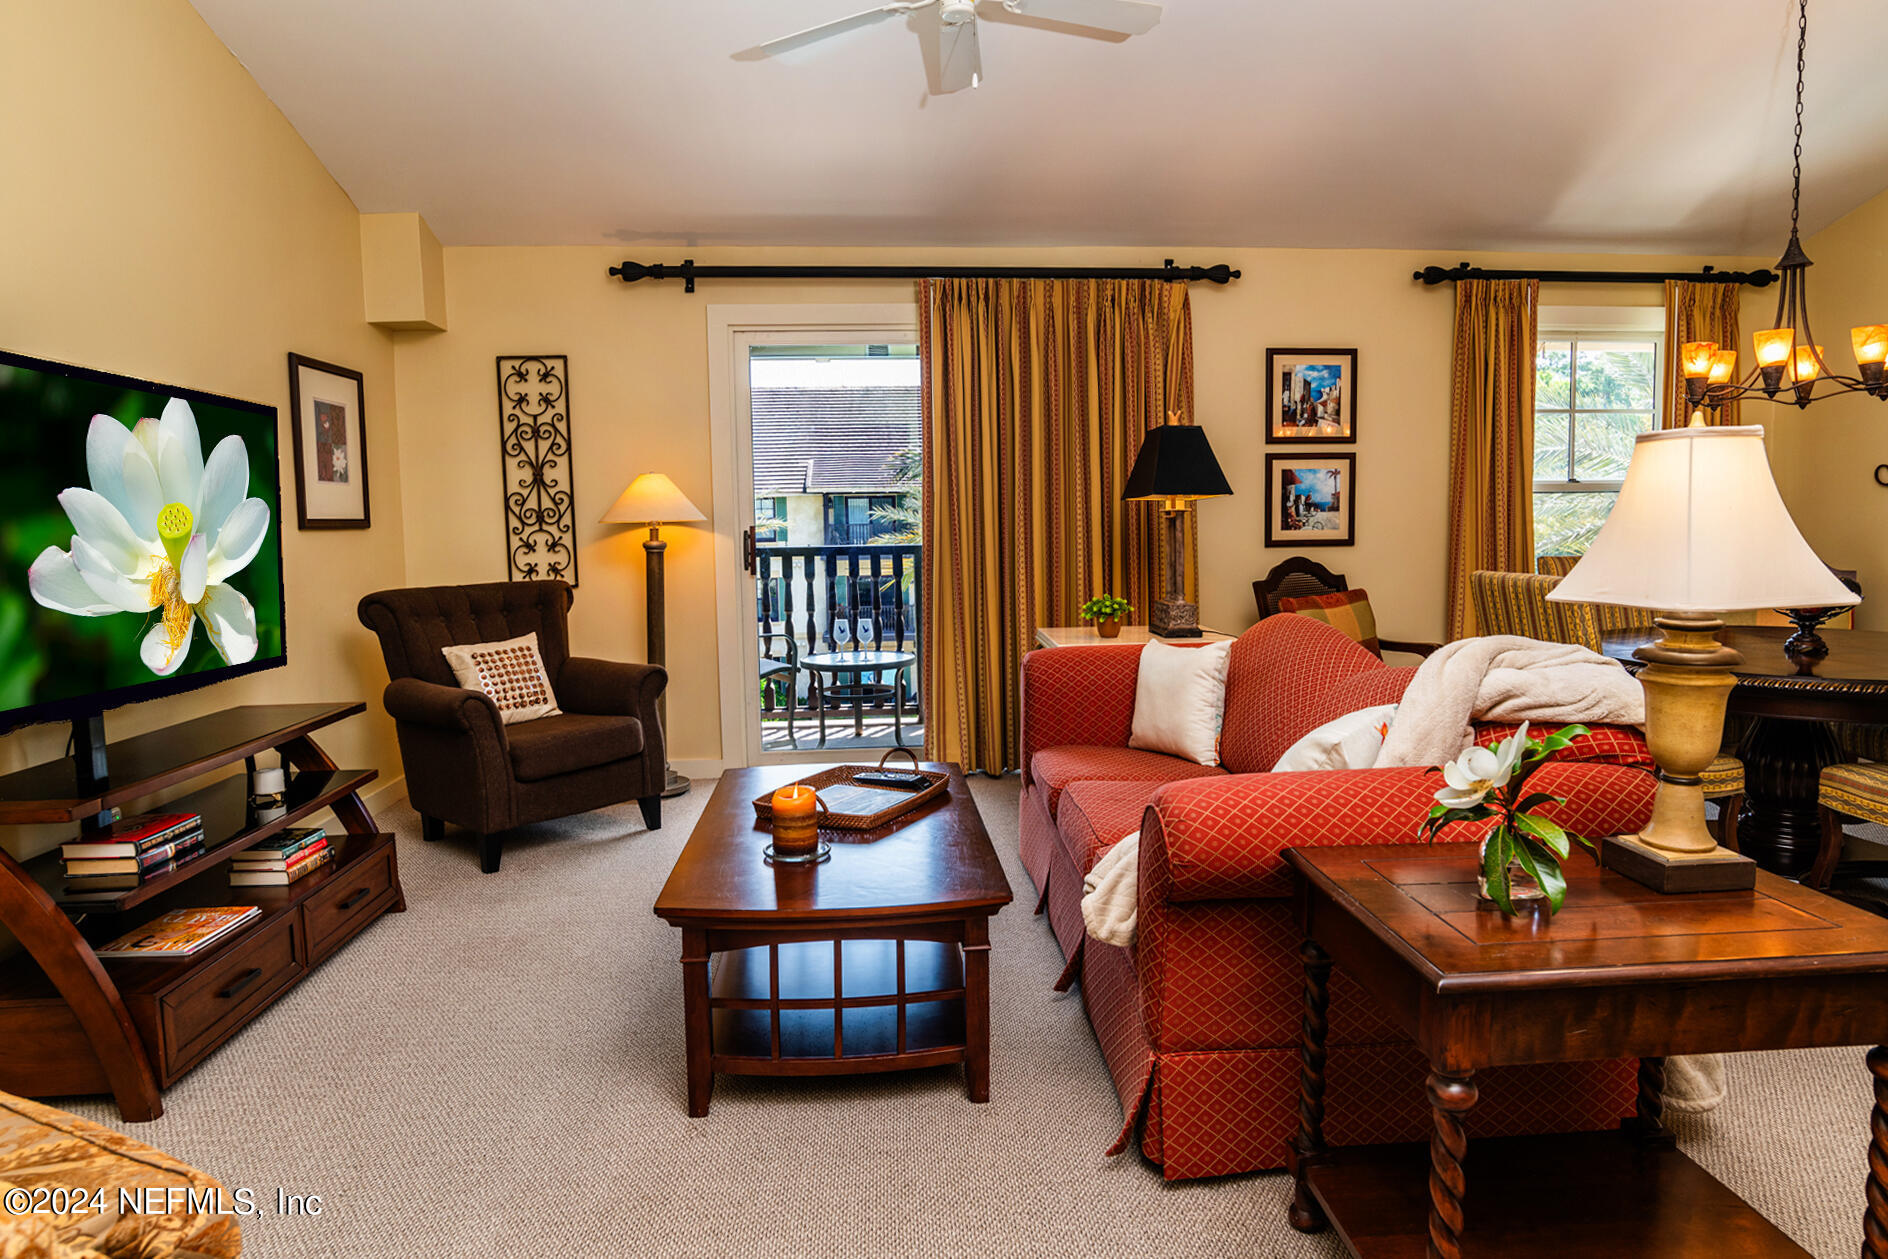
(1622, 972)
(876, 960)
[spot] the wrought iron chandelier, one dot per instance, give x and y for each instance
(1787, 354)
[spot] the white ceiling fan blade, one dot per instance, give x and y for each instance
(826, 30)
(959, 61)
(1128, 17)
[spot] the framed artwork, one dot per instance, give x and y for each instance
(325, 404)
(1311, 396)
(1311, 500)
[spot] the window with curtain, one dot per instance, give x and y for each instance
(1595, 391)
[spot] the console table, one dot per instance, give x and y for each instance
(72, 1023)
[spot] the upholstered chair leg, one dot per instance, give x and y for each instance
(432, 829)
(1728, 809)
(491, 849)
(651, 812)
(1830, 852)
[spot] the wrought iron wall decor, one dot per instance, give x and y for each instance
(534, 446)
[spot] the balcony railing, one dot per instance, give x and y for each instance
(813, 599)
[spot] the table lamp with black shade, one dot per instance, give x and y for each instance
(652, 499)
(1699, 529)
(1175, 467)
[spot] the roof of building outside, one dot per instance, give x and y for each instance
(832, 441)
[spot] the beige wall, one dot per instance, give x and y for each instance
(159, 218)
(639, 402)
(1834, 446)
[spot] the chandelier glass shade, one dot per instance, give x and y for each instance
(1788, 355)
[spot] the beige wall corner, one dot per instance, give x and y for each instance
(403, 273)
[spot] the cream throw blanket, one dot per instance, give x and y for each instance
(1109, 907)
(1505, 677)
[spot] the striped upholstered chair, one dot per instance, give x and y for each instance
(1856, 789)
(1555, 565)
(1516, 603)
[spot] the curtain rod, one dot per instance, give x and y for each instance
(630, 272)
(1710, 275)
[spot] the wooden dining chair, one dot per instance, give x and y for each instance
(1297, 577)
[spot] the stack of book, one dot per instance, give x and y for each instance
(281, 859)
(180, 932)
(130, 851)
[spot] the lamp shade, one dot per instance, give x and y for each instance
(651, 499)
(1700, 527)
(1176, 461)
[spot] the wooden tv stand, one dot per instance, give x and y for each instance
(72, 1023)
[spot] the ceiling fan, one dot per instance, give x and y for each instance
(949, 29)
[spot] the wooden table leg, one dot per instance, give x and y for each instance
(1648, 1120)
(700, 1034)
(977, 1008)
(1875, 1223)
(1451, 1097)
(1305, 1215)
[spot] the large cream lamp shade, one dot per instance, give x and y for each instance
(1699, 529)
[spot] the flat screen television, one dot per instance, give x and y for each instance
(140, 538)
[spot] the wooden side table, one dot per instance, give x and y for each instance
(1622, 972)
(1130, 635)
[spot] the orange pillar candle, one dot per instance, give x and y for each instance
(795, 820)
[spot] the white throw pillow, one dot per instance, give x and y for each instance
(1180, 700)
(1350, 742)
(511, 672)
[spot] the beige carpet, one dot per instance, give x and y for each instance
(498, 1072)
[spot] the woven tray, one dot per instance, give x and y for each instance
(897, 802)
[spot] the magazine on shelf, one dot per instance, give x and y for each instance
(180, 933)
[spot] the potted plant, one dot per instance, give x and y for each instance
(1521, 855)
(1106, 612)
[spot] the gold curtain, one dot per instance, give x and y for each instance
(1036, 396)
(1698, 312)
(1491, 437)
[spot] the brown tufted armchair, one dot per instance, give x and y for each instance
(462, 764)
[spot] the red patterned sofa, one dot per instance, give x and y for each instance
(1199, 1021)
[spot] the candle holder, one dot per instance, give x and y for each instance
(796, 809)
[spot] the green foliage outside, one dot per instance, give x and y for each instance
(1617, 375)
(903, 522)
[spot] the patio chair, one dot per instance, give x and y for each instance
(782, 667)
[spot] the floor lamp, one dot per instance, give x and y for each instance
(652, 499)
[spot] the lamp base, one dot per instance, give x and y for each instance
(1174, 618)
(675, 784)
(1719, 870)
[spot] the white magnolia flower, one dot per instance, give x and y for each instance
(1478, 771)
(160, 530)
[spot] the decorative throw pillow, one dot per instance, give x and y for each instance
(511, 672)
(1348, 610)
(1180, 700)
(1349, 742)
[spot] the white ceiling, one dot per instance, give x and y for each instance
(1635, 125)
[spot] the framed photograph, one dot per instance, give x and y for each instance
(1311, 395)
(1311, 500)
(330, 438)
